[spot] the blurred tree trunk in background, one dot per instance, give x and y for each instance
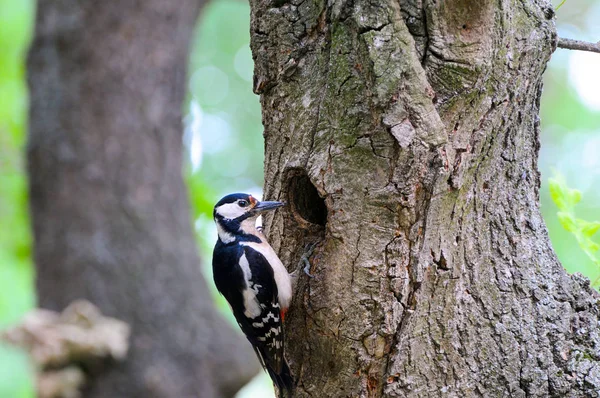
(110, 210)
(404, 134)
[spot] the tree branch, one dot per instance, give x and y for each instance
(571, 44)
(58, 343)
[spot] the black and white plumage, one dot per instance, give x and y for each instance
(251, 277)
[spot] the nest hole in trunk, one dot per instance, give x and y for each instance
(306, 204)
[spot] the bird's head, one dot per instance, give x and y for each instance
(236, 214)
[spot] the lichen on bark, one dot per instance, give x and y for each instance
(417, 122)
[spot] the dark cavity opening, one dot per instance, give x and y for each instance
(305, 200)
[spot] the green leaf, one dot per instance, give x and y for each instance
(557, 193)
(574, 196)
(590, 228)
(588, 246)
(567, 222)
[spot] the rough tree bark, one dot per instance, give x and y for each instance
(405, 135)
(110, 210)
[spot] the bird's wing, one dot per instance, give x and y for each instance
(253, 299)
(266, 329)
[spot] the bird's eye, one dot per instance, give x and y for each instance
(242, 203)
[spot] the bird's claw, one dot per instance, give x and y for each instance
(306, 268)
(304, 260)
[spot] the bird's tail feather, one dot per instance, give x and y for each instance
(283, 380)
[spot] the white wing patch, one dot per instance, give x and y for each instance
(251, 305)
(282, 277)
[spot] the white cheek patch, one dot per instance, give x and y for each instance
(230, 210)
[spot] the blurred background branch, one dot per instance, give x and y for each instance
(59, 344)
(571, 44)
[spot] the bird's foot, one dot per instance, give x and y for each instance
(304, 263)
(304, 260)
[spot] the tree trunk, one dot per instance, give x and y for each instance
(110, 210)
(405, 135)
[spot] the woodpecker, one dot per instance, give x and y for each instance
(248, 273)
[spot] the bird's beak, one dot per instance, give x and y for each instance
(262, 207)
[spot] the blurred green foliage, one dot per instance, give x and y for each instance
(15, 374)
(16, 293)
(566, 200)
(570, 139)
(223, 127)
(16, 271)
(223, 131)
